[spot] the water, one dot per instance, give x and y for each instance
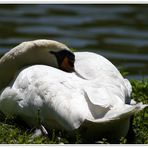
(118, 32)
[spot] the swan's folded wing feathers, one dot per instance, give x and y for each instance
(114, 115)
(123, 112)
(90, 66)
(98, 104)
(98, 96)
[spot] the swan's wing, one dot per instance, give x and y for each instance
(47, 92)
(90, 66)
(103, 100)
(98, 101)
(99, 70)
(124, 112)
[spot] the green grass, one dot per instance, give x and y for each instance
(12, 132)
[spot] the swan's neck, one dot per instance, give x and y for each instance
(8, 69)
(12, 62)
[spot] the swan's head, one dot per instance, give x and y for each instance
(51, 53)
(62, 56)
(65, 59)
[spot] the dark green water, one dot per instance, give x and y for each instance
(118, 32)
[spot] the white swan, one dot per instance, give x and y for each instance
(94, 99)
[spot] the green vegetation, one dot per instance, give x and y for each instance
(12, 132)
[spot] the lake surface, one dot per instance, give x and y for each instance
(118, 32)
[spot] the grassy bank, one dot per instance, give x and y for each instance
(12, 132)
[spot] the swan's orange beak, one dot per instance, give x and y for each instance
(67, 65)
